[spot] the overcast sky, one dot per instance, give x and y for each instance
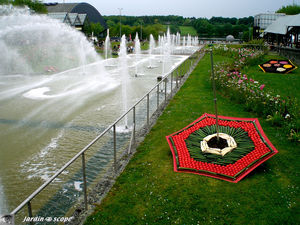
(186, 8)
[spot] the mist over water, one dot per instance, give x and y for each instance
(36, 44)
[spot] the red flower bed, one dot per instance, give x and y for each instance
(263, 149)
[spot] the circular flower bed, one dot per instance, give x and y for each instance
(253, 148)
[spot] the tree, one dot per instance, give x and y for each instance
(110, 23)
(289, 9)
(174, 29)
(93, 28)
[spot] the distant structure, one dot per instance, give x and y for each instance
(262, 21)
(75, 14)
(285, 31)
(230, 38)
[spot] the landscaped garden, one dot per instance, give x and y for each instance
(150, 192)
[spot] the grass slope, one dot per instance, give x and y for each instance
(150, 192)
(185, 30)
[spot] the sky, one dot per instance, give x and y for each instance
(186, 8)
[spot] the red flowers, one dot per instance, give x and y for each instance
(263, 149)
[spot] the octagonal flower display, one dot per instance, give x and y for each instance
(245, 147)
(277, 66)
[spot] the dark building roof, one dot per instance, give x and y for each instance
(82, 8)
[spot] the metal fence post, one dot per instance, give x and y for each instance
(171, 83)
(157, 102)
(148, 110)
(30, 212)
(133, 124)
(166, 80)
(115, 148)
(84, 182)
(180, 72)
(180, 77)
(177, 78)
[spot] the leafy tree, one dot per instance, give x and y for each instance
(95, 28)
(174, 29)
(246, 20)
(110, 23)
(222, 20)
(289, 9)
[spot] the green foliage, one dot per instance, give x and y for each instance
(35, 5)
(95, 28)
(276, 119)
(294, 136)
(154, 29)
(259, 44)
(149, 20)
(289, 9)
(222, 20)
(110, 23)
(221, 27)
(174, 29)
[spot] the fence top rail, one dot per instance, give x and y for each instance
(243, 44)
(65, 166)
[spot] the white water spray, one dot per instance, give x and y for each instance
(107, 46)
(137, 51)
(151, 48)
(124, 75)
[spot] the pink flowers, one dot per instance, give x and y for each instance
(261, 87)
(240, 81)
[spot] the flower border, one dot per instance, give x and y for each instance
(232, 172)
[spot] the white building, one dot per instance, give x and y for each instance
(262, 21)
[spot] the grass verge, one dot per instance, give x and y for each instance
(150, 192)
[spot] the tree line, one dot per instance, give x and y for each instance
(214, 27)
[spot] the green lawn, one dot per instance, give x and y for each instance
(185, 30)
(150, 192)
(282, 84)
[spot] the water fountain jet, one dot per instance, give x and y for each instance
(151, 48)
(137, 51)
(124, 75)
